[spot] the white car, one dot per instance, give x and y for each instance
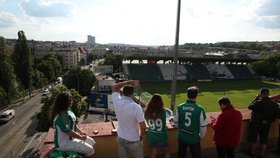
(7, 115)
(46, 92)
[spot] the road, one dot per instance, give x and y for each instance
(17, 133)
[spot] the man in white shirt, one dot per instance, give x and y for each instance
(131, 122)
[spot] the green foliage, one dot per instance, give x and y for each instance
(115, 60)
(79, 106)
(7, 76)
(23, 61)
(91, 57)
(269, 66)
(50, 66)
(79, 79)
(3, 97)
(39, 79)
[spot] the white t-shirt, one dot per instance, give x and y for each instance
(129, 115)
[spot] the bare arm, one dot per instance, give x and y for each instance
(80, 131)
(142, 128)
(116, 87)
(77, 135)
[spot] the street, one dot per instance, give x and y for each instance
(17, 133)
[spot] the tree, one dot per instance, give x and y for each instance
(115, 60)
(50, 66)
(23, 61)
(79, 106)
(269, 66)
(39, 79)
(80, 80)
(7, 75)
(91, 57)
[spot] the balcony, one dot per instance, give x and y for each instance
(106, 144)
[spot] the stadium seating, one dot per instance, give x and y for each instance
(189, 72)
(144, 72)
(197, 71)
(219, 71)
(241, 72)
(167, 72)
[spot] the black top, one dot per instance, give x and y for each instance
(264, 110)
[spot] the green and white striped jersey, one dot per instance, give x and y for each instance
(63, 123)
(189, 118)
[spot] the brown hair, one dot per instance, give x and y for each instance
(62, 102)
(155, 107)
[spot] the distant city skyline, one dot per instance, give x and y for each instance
(145, 22)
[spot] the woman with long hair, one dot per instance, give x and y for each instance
(155, 115)
(67, 136)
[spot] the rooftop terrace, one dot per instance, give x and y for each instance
(106, 144)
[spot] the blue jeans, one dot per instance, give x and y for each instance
(136, 148)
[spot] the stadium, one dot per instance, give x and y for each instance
(216, 75)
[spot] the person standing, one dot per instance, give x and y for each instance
(227, 129)
(130, 118)
(67, 136)
(155, 115)
(264, 111)
(190, 118)
(277, 99)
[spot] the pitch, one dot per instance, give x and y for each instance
(241, 92)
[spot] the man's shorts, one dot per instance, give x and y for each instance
(258, 129)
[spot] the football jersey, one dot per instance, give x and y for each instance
(63, 123)
(190, 117)
(157, 132)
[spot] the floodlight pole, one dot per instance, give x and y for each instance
(175, 62)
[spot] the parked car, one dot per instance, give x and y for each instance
(46, 92)
(7, 115)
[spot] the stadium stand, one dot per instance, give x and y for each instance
(167, 72)
(240, 72)
(219, 71)
(144, 72)
(197, 71)
(189, 72)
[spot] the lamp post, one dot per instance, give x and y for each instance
(175, 62)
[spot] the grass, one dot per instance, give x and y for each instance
(241, 93)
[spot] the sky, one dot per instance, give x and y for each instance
(141, 22)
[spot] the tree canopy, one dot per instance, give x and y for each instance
(23, 61)
(79, 79)
(8, 89)
(115, 60)
(269, 66)
(79, 106)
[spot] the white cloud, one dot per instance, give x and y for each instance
(266, 13)
(145, 21)
(44, 9)
(8, 20)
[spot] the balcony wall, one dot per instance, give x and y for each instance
(107, 147)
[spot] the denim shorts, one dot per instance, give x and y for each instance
(135, 148)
